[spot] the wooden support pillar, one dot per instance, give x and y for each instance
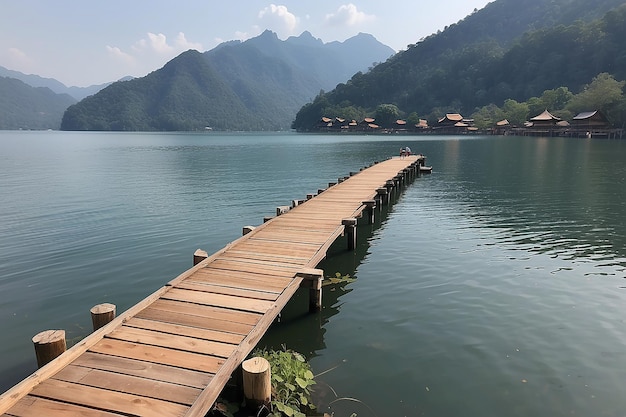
(391, 185)
(295, 203)
(384, 195)
(370, 208)
(267, 218)
(198, 256)
(257, 383)
(350, 228)
(49, 344)
(312, 279)
(320, 191)
(281, 210)
(310, 196)
(331, 184)
(246, 229)
(102, 314)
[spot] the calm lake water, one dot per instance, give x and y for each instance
(493, 287)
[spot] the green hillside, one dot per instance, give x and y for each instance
(486, 59)
(26, 107)
(257, 85)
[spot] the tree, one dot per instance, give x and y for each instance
(387, 114)
(516, 113)
(603, 93)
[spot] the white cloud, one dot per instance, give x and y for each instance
(17, 60)
(279, 19)
(183, 44)
(349, 15)
(150, 53)
(119, 54)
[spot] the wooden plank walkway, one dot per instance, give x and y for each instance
(173, 353)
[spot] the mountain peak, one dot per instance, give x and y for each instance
(305, 38)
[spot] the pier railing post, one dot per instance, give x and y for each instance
(312, 279)
(257, 382)
(246, 229)
(49, 344)
(370, 207)
(198, 256)
(350, 228)
(102, 314)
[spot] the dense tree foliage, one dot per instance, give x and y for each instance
(464, 70)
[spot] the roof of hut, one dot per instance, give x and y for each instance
(545, 116)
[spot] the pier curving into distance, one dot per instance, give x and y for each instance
(172, 353)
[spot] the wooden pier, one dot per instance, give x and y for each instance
(173, 353)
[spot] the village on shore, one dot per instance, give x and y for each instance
(584, 125)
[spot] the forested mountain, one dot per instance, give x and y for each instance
(56, 86)
(511, 49)
(258, 84)
(26, 107)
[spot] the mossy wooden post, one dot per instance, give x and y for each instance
(350, 228)
(312, 279)
(370, 209)
(391, 185)
(198, 256)
(49, 344)
(257, 382)
(246, 230)
(102, 314)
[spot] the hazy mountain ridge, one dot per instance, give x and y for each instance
(56, 86)
(26, 107)
(258, 84)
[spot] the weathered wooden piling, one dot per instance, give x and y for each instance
(247, 229)
(312, 278)
(370, 208)
(200, 255)
(49, 344)
(257, 382)
(350, 228)
(101, 315)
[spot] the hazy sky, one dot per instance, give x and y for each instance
(84, 42)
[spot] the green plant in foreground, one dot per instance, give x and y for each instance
(291, 382)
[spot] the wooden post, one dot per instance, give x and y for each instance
(312, 279)
(390, 184)
(246, 230)
(295, 203)
(281, 210)
(257, 384)
(310, 196)
(331, 184)
(267, 218)
(384, 195)
(49, 344)
(102, 314)
(370, 208)
(198, 256)
(350, 228)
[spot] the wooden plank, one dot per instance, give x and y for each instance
(129, 384)
(219, 300)
(209, 313)
(144, 369)
(106, 400)
(278, 281)
(176, 329)
(30, 406)
(219, 289)
(211, 392)
(225, 326)
(184, 343)
(270, 257)
(164, 356)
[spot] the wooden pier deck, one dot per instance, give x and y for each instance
(173, 353)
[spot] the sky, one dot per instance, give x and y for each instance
(87, 42)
